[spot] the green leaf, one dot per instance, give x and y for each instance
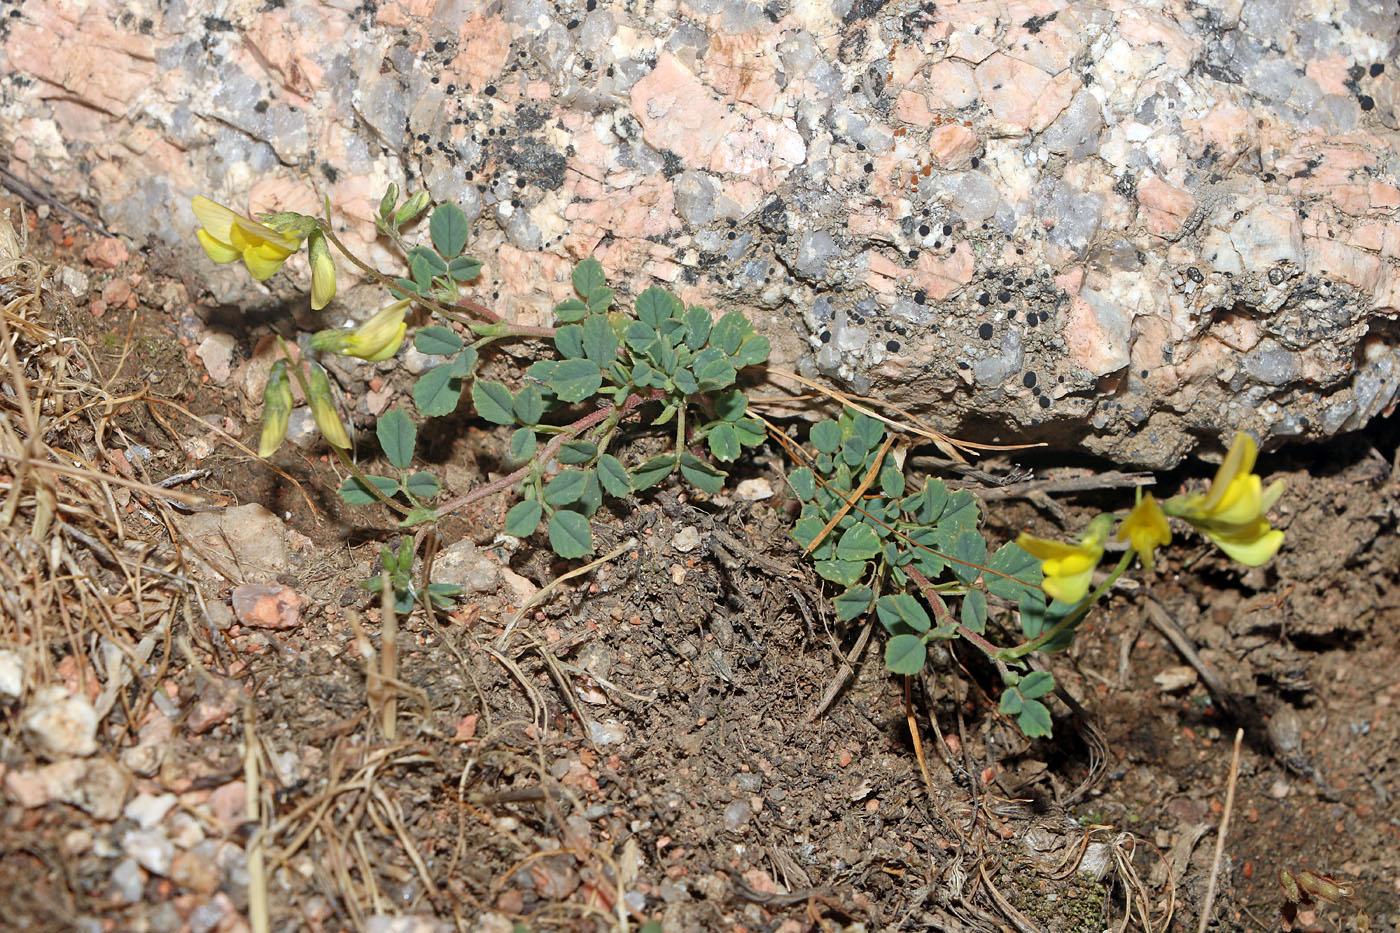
(730, 406)
(464, 362)
(697, 327)
(588, 276)
(570, 535)
(599, 341)
(852, 603)
(891, 480)
(1022, 572)
(523, 518)
(752, 351)
(422, 269)
(577, 452)
(431, 260)
(641, 374)
(422, 485)
(592, 498)
(528, 405)
(355, 492)
(858, 542)
(641, 337)
(653, 471)
(613, 476)
(541, 370)
(1034, 720)
(493, 402)
(464, 269)
(568, 340)
(712, 370)
(970, 548)
(449, 230)
(437, 340)
(702, 475)
(750, 432)
(566, 488)
(901, 610)
(928, 505)
(406, 288)
(826, 436)
(654, 306)
(386, 203)
(960, 512)
(570, 310)
(1036, 684)
(974, 611)
(523, 445)
(803, 482)
(575, 380)
(844, 572)
(729, 332)
(397, 435)
(868, 430)
(905, 654)
(686, 382)
(724, 443)
(442, 594)
(600, 300)
(1011, 702)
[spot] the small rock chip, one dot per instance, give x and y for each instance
(686, 540)
(150, 849)
(736, 815)
(59, 724)
(1173, 679)
(607, 733)
(97, 786)
(11, 674)
(216, 352)
(106, 253)
(127, 881)
(388, 923)
(116, 293)
(753, 490)
(267, 605)
(218, 699)
(146, 810)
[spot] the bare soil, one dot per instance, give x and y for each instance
(642, 745)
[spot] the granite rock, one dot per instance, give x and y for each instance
(1185, 212)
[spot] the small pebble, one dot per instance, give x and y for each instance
(736, 815)
(59, 724)
(607, 733)
(11, 674)
(151, 849)
(753, 490)
(686, 540)
(127, 881)
(146, 810)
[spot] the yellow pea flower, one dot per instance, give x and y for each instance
(322, 271)
(1231, 512)
(228, 236)
(277, 409)
(318, 396)
(1069, 568)
(376, 339)
(1146, 529)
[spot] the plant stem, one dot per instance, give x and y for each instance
(931, 595)
(1075, 617)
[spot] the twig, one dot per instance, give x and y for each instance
(842, 675)
(1162, 620)
(1220, 835)
(257, 864)
(550, 587)
(1114, 479)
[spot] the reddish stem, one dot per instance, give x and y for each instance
(943, 614)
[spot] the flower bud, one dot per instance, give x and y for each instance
(411, 208)
(322, 403)
(322, 270)
(386, 203)
(290, 224)
(277, 408)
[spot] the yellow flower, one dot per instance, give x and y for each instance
(1231, 512)
(277, 408)
(228, 236)
(1068, 568)
(1146, 528)
(374, 340)
(318, 396)
(322, 271)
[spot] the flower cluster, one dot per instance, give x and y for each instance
(1232, 513)
(228, 236)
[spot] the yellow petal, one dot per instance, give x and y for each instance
(262, 261)
(1241, 503)
(1251, 546)
(1044, 549)
(258, 234)
(1271, 495)
(213, 217)
(390, 347)
(1070, 589)
(1239, 460)
(215, 250)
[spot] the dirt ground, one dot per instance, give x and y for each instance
(642, 745)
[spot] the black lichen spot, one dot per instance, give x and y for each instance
(826, 336)
(1036, 23)
(863, 9)
(920, 297)
(671, 164)
(984, 299)
(924, 230)
(490, 90)
(974, 162)
(1194, 275)
(1366, 101)
(1045, 401)
(892, 346)
(1377, 70)
(261, 106)
(962, 364)
(1003, 296)
(947, 230)
(1028, 380)
(985, 331)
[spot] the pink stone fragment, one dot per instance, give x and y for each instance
(1344, 263)
(1163, 207)
(1012, 89)
(679, 113)
(952, 145)
(267, 605)
(106, 253)
(940, 276)
(951, 85)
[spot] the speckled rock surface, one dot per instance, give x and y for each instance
(1116, 224)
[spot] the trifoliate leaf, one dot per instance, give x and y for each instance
(654, 306)
(570, 310)
(437, 341)
(570, 535)
(613, 476)
(723, 441)
(752, 351)
(970, 550)
(697, 327)
(464, 269)
(566, 488)
(422, 485)
(397, 435)
(1016, 572)
(437, 391)
(891, 480)
(449, 230)
(1011, 702)
(1034, 720)
(826, 437)
(858, 542)
(730, 406)
(523, 518)
(852, 603)
(600, 300)
(905, 654)
(588, 276)
(493, 402)
(355, 492)
(576, 452)
(901, 611)
(803, 482)
(575, 380)
(522, 445)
